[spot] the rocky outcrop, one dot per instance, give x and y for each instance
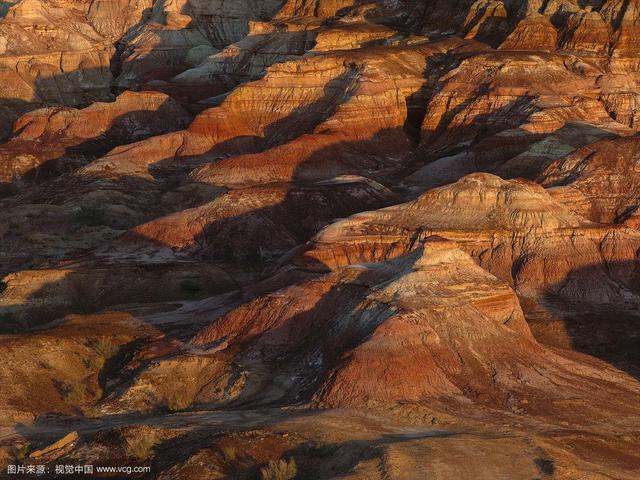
(433, 325)
(586, 34)
(535, 32)
(605, 174)
(159, 48)
(359, 146)
(623, 17)
(294, 118)
(514, 229)
(51, 52)
(509, 113)
(63, 368)
(495, 92)
(53, 140)
(487, 21)
(245, 60)
(397, 303)
(35, 298)
(55, 53)
(229, 229)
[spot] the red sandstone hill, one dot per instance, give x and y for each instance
(321, 238)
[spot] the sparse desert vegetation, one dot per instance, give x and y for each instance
(140, 445)
(279, 470)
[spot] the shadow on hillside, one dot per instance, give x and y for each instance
(81, 87)
(607, 328)
(4, 7)
(305, 208)
(300, 121)
(76, 89)
(239, 241)
(138, 69)
(55, 156)
(301, 345)
(208, 433)
(312, 206)
(372, 157)
(598, 307)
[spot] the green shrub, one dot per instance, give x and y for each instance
(178, 404)
(229, 453)
(104, 349)
(279, 470)
(21, 452)
(94, 363)
(44, 363)
(141, 444)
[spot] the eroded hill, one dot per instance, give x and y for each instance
(379, 239)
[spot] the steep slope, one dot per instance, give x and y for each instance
(515, 229)
(45, 142)
(56, 52)
(599, 180)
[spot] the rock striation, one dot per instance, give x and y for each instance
(603, 174)
(515, 229)
(53, 140)
(351, 239)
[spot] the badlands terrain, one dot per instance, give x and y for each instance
(321, 239)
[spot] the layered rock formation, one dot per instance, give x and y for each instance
(603, 175)
(52, 52)
(45, 142)
(365, 240)
(355, 336)
(514, 229)
(229, 227)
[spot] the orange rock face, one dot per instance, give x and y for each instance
(49, 139)
(514, 229)
(603, 174)
(321, 238)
